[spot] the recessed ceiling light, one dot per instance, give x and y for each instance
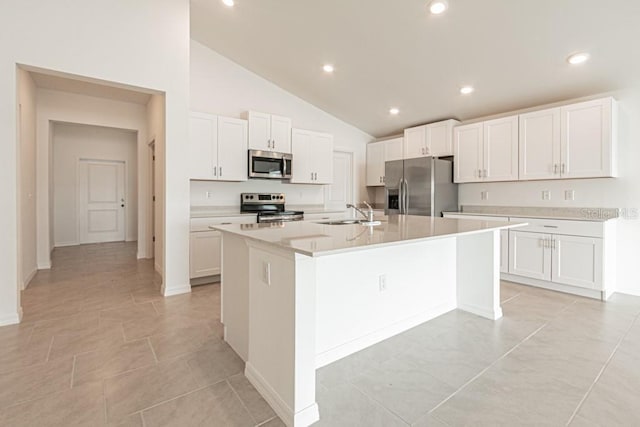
(578, 58)
(229, 3)
(437, 7)
(328, 68)
(466, 90)
(394, 111)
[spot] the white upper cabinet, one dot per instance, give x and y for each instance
(217, 147)
(500, 160)
(434, 139)
(587, 139)
(312, 157)
(377, 154)
(539, 144)
(468, 146)
(268, 132)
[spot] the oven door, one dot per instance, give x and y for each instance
(270, 165)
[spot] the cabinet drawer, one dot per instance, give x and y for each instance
(202, 224)
(561, 226)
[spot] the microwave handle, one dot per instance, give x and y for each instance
(284, 166)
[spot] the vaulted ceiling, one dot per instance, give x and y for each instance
(394, 53)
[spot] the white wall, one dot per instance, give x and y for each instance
(622, 192)
(142, 43)
(64, 107)
(222, 87)
(72, 143)
(27, 179)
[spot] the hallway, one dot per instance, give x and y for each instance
(99, 345)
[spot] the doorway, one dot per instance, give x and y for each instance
(101, 197)
(341, 191)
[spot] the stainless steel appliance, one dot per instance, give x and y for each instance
(269, 207)
(422, 186)
(269, 165)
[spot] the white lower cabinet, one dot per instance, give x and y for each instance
(530, 254)
(205, 245)
(204, 254)
(577, 261)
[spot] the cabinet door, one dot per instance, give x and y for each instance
(393, 150)
(504, 251)
(439, 138)
(467, 149)
(501, 149)
(203, 161)
(414, 142)
(204, 256)
(259, 131)
(301, 169)
(322, 157)
(577, 261)
(530, 254)
(586, 139)
(375, 163)
(232, 149)
(539, 145)
(280, 134)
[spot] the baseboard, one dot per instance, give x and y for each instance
(583, 292)
(337, 353)
(11, 319)
(303, 418)
(28, 279)
(44, 266)
(205, 280)
(176, 291)
(65, 244)
(482, 311)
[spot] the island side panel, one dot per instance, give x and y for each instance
(370, 295)
(478, 272)
(235, 293)
(281, 362)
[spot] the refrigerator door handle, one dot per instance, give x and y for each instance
(406, 197)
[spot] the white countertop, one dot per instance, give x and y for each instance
(314, 239)
(568, 217)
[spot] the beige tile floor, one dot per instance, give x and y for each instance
(100, 346)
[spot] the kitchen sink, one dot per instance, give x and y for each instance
(340, 222)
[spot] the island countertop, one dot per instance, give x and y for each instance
(316, 239)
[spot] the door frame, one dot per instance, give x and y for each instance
(151, 219)
(125, 184)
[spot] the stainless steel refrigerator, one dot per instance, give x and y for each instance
(422, 186)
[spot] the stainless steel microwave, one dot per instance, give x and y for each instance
(270, 165)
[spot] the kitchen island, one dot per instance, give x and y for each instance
(299, 295)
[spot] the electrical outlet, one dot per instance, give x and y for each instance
(546, 195)
(382, 282)
(266, 272)
(569, 195)
(484, 195)
(208, 194)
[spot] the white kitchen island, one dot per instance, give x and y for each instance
(299, 295)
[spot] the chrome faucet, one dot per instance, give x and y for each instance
(368, 215)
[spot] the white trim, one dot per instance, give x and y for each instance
(11, 319)
(44, 266)
(351, 347)
(28, 279)
(65, 244)
(303, 418)
(583, 292)
(175, 291)
(494, 314)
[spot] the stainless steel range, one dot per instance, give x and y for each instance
(269, 207)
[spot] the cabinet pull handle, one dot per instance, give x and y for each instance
(311, 176)
(555, 168)
(215, 171)
(562, 169)
(221, 171)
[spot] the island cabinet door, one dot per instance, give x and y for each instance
(577, 261)
(530, 254)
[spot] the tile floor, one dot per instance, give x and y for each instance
(100, 346)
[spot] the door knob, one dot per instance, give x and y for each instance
(122, 205)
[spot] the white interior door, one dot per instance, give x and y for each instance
(101, 216)
(340, 192)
